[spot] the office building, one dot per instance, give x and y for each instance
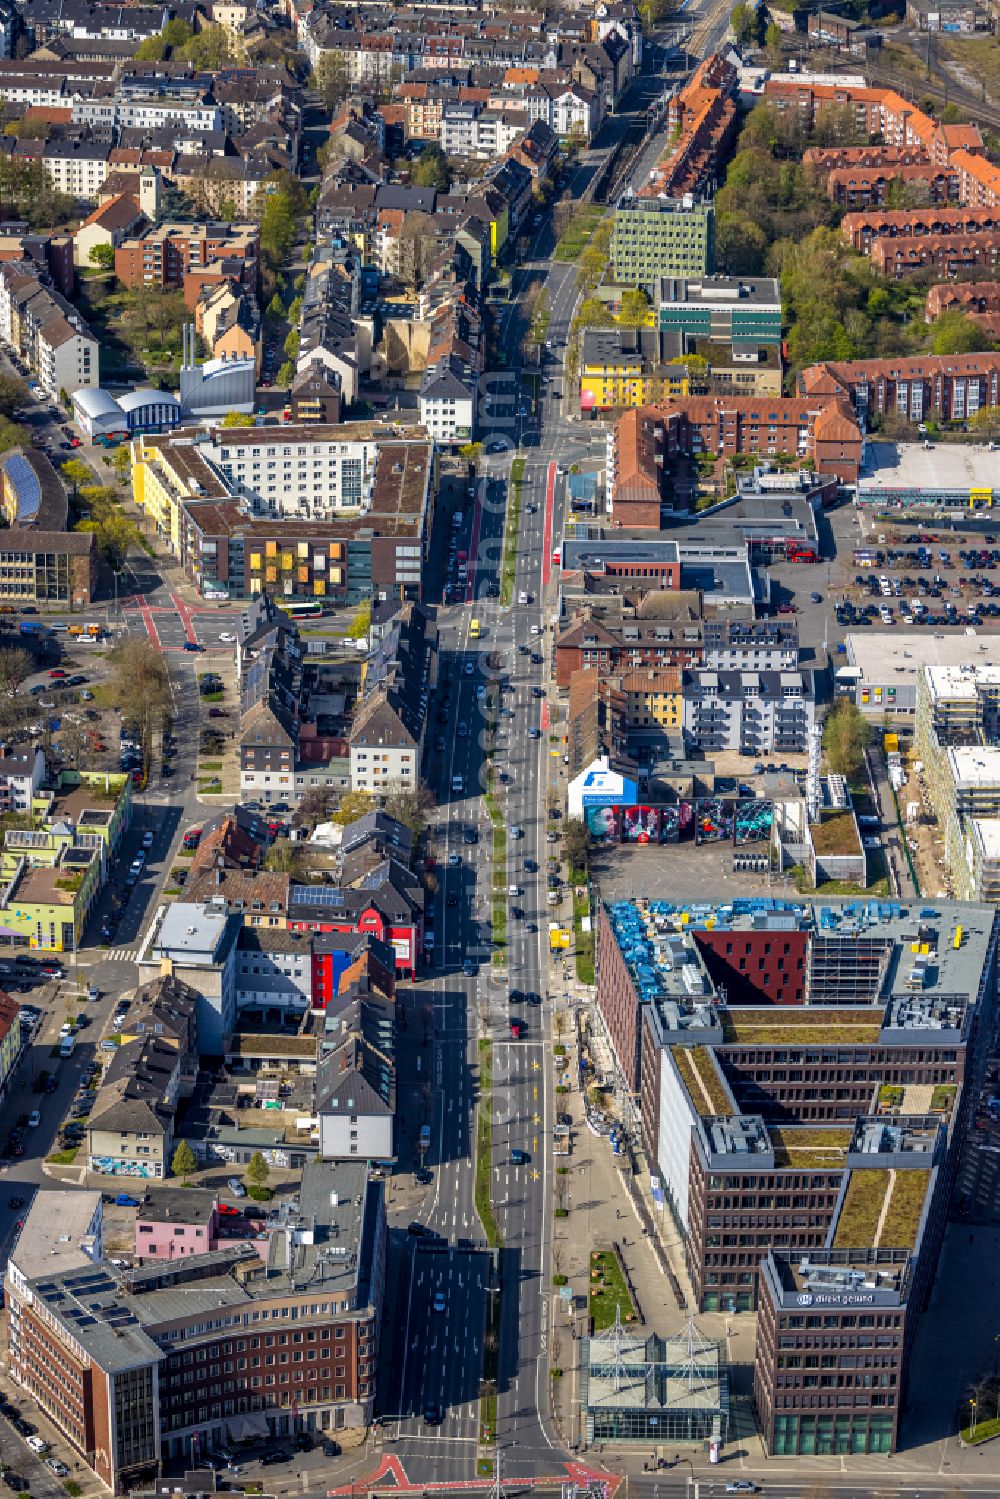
(180, 1357)
(655, 237)
(800, 1076)
(736, 310)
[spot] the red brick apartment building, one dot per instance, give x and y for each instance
(647, 438)
(867, 187)
(174, 1359)
(946, 386)
(979, 300)
(861, 230)
(701, 122)
(945, 254)
(171, 254)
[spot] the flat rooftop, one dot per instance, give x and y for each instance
(985, 832)
(944, 468)
(54, 1225)
(802, 1025)
(882, 1208)
(894, 657)
(974, 764)
(699, 1071)
(808, 1149)
(917, 938)
(835, 833)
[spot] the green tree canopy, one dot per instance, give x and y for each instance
(258, 1170)
(353, 804)
(183, 1161)
(955, 333)
(845, 736)
(13, 394)
(210, 48)
(362, 621)
(238, 419)
(634, 308)
(431, 169)
(103, 256)
(743, 20)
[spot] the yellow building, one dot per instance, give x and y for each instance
(621, 367)
(165, 473)
(653, 696)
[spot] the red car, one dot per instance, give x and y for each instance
(74, 442)
(227, 1211)
(516, 1028)
(56, 673)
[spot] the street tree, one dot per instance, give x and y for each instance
(332, 80)
(258, 1170)
(576, 842)
(184, 1161)
(102, 256)
(16, 665)
(634, 311)
(139, 677)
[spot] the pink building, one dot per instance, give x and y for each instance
(174, 1223)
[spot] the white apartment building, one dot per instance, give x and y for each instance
(77, 167)
(310, 472)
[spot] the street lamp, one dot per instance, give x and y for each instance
(972, 1402)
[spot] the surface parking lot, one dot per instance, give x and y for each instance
(678, 872)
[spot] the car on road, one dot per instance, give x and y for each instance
(517, 831)
(741, 1486)
(452, 899)
(454, 860)
(418, 1230)
(34, 1119)
(217, 713)
(470, 968)
(330, 1447)
(519, 1158)
(517, 1029)
(15, 1202)
(192, 645)
(469, 668)
(227, 637)
(433, 1415)
(534, 733)
(268, 1459)
(439, 1303)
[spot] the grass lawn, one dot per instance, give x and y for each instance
(63, 1157)
(581, 227)
(512, 529)
(584, 940)
(979, 55)
(484, 1146)
(608, 1291)
(985, 1431)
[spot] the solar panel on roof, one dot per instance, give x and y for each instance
(25, 483)
(317, 895)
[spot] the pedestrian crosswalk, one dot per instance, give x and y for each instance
(120, 954)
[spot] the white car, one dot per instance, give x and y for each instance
(147, 840)
(227, 638)
(37, 1444)
(65, 1029)
(439, 1301)
(34, 1119)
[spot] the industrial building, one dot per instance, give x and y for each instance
(798, 1076)
(906, 475)
(883, 667)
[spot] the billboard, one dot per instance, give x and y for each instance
(753, 822)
